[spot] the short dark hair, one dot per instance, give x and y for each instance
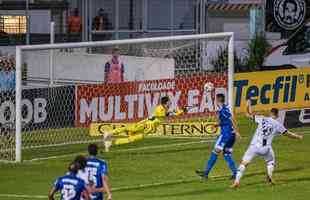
(275, 111)
(73, 168)
(220, 98)
(115, 49)
(164, 100)
(93, 149)
(80, 161)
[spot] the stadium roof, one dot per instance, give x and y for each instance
(233, 5)
(230, 7)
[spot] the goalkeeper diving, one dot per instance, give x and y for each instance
(138, 130)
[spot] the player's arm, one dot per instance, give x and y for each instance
(86, 193)
(105, 181)
(293, 135)
(105, 187)
(234, 123)
(52, 193)
(106, 71)
(249, 113)
(55, 188)
(283, 131)
(177, 112)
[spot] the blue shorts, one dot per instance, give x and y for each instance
(225, 143)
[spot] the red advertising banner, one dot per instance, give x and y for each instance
(132, 101)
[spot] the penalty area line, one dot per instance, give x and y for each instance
(122, 188)
(22, 196)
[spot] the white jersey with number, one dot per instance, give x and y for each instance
(83, 175)
(267, 129)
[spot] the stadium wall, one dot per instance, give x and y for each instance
(295, 118)
(69, 106)
(284, 89)
(131, 101)
(42, 108)
(70, 66)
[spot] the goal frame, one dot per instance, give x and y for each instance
(21, 49)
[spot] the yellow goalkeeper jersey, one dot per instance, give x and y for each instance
(160, 112)
(159, 115)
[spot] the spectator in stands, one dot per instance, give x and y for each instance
(101, 21)
(114, 69)
(75, 22)
(7, 76)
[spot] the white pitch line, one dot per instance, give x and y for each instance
(135, 187)
(23, 196)
(138, 186)
(123, 150)
(7, 161)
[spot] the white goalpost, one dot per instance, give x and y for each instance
(42, 120)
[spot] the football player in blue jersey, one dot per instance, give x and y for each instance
(70, 186)
(225, 141)
(96, 171)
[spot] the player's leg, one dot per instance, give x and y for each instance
(227, 152)
(132, 128)
(135, 132)
(247, 158)
(129, 139)
(141, 129)
(270, 161)
(218, 148)
(108, 136)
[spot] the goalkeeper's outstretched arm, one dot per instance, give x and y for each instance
(177, 112)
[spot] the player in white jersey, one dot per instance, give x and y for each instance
(268, 127)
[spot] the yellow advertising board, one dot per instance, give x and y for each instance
(166, 129)
(283, 89)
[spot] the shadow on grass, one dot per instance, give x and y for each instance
(276, 171)
(292, 180)
(210, 189)
(278, 181)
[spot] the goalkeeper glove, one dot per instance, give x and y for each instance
(180, 111)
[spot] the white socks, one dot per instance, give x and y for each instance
(241, 169)
(240, 173)
(270, 168)
(107, 145)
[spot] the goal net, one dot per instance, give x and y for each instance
(62, 89)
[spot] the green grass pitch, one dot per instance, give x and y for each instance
(163, 169)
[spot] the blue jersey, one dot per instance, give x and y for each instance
(7, 81)
(70, 186)
(225, 121)
(95, 169)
